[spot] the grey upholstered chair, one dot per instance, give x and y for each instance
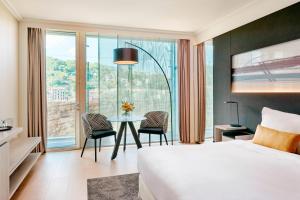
(156, 123)
(96, 126)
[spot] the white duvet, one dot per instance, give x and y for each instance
(236, 170)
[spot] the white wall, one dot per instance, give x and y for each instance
(8, 65)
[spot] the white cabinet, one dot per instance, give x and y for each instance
(4, 171)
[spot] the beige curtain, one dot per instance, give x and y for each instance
(201, 112)
(191, 93)
(184, 89)
(36, 86)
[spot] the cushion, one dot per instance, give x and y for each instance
(275, 139)
(101, 134)
(282, 121)
(151, 130)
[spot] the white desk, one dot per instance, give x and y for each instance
(6, 136)
(16, 160)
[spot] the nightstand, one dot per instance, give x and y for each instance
(227, 132)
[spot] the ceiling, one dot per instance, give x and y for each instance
(172, 15)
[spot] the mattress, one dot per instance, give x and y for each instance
(232, 170)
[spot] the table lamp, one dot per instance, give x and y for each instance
(237, 113)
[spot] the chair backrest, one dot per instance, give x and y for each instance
(94, 122)
(156, 119)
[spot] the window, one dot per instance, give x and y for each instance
(61, 89)
(209, 88)
(107, 84)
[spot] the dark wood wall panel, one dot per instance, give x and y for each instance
(281, 26)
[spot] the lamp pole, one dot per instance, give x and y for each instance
(165, 76)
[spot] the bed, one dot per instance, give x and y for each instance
(227, 170)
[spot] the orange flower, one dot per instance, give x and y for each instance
(127, 106)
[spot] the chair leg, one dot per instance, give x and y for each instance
(83, 147)
(100, 145)
(95, 150)
(115, 139)
(160, 139)
(149, 139)
(139, 135)
(166, 139)
(125, 135)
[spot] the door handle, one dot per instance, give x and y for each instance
(76, 106)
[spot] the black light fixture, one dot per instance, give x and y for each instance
(237, 113)
(129, 56)
(126, 56)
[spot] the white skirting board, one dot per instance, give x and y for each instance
(144, 192)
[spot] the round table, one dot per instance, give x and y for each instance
(124, 119)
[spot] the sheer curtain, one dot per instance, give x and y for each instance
(36, 85)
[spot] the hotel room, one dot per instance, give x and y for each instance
(150, 100)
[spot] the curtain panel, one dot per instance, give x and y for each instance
(201, 104)
(36, 87)
(184, 90)
(191, 93)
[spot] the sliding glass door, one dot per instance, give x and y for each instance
(107, 84)
(209, 88)
(101, 79)
(61, 81)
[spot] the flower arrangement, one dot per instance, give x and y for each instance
(127, 106)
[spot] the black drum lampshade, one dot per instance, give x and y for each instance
(125, 56)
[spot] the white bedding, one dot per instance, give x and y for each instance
(236, 170)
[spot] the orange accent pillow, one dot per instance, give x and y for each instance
(279, 140)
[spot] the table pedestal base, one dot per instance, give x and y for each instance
(123, 128)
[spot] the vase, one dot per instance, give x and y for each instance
(126, 113)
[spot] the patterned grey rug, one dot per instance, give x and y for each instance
(123, 187)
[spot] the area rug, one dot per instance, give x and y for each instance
(123, 187)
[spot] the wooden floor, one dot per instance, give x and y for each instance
(63, 175)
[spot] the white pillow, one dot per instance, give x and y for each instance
(281, 121)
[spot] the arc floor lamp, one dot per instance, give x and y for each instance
(129, 56)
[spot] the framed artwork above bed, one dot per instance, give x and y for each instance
(273, 69)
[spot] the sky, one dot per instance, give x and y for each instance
(64, 47)
(61, 46)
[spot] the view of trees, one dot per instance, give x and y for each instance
(61, 74)
(143, 83)
(107, 84)
(61, 88)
